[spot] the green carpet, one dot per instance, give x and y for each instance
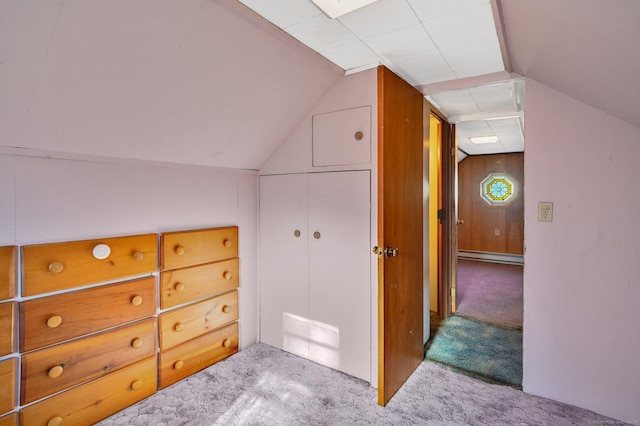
(486, 351)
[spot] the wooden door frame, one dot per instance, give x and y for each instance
(446, 254)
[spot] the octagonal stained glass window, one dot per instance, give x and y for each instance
(498, 189)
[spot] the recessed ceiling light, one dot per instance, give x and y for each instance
(484, 139)
(335, 8)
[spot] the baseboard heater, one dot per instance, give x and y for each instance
(486, 256)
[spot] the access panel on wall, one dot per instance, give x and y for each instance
(315, 267)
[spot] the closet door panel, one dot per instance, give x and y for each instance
(339, 271)
(284, 263)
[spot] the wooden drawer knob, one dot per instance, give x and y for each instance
(226, 343)
(178, 326)
(179, 286)
(136, 300)
(178, 364)
(136, 384)
(54, 321)
(55, 421)
(358, 135)
(138, 255)
(55, 372)
(179, 250)
(227, 275)
(296, 233)
(226, 309)
(56, 267)
(227, 243)
(137, 343)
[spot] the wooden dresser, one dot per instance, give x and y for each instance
(197, 325)
(8, 358)
(87, 328)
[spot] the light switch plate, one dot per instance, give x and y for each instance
(545, 211)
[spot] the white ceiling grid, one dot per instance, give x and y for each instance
(425, 41)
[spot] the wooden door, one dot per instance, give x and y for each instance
(400, 287)
(340, 271)
(284, 292)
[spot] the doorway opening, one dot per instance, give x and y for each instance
(479, 236)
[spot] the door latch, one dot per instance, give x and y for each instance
(391, 252)
(387, 252)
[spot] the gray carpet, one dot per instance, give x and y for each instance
(262, 385)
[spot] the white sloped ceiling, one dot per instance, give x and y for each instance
(193, 81)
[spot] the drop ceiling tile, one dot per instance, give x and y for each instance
(410, 41)
(482, 50)
(505, 124)
(321, 33)
(283, 13)
(381, 17)
(352, 55)
(477, 69)
(423, 69)
(456, 102)
(462, 28)
(429, 10)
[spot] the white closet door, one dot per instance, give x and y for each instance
(339, 271)
(283, 256)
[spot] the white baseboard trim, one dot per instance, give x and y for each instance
(512, 259)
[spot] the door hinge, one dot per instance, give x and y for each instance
(441, 215)
(453, 292)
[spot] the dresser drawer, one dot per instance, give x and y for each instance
(7, 272)
(57, 318)
(59, 266)
(9, 420)
(197, 282)
(185, 359)
(96, 400)
(51, 370)
(188, 248)
(6, 327)
(8, 378)
(192, 321)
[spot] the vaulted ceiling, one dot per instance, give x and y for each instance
(583, 48)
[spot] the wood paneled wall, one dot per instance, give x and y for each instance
(481, 220)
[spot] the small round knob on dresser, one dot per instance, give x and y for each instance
(138, 255)
(178, 326)
(179, 250)
(317, 235)
(55, 372)
(227, 243)
(137, 343)
(226, 343)
(54, 321)
(296, 233)
(178, 364)
(101, 251)
(179, 286)
(358, 135)
(227, 275)
(136, 300)
(226, 309)
(137, 384)
(56, 267)
(55, 421)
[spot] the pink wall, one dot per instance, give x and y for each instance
(46, 200)
(581, 280)
(194, 81)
